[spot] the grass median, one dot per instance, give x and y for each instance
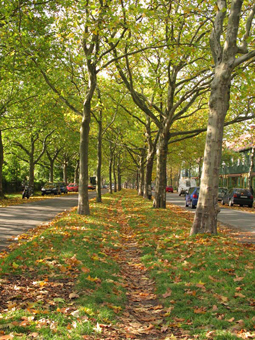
(77, 278)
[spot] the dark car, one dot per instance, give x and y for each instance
(50, 188)
(221, 193)
(169, 188)
(91, 187)
(72, 187)
(239, 196)
(191, 197)
(63, 188)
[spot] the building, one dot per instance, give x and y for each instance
(236, 162)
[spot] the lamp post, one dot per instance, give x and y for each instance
(252, 126)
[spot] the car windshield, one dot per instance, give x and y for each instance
(242, 191)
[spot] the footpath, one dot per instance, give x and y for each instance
(127, 271)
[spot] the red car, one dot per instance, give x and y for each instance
(169, 188)
(72, 187)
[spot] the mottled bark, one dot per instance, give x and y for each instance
(141, 174)
(99, 160)
(119, 174)
(205, 220)
(110, 169)
(148, 177)
(83, 197)
(160, 190)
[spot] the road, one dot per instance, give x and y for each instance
(229, 217)
(15, 220)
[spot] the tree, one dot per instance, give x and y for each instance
(175, 69)
(227, 55)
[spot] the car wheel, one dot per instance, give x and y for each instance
(230, 203)
(250, 205)
(193, 206)
(42, 194)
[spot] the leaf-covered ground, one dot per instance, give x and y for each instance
(127, 271)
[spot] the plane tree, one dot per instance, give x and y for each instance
(174, 81)
(232, 46)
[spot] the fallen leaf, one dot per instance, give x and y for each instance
(239, 295)
(73, 296)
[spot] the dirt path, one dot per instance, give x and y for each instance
(143, 317)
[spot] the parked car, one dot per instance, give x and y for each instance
(221, 193)
(191, 197)
(91, 187)
(72, 187)
(169, 188)
(50, 188)
(63, 188)
(239, 196)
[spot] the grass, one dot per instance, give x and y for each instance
(67, 282)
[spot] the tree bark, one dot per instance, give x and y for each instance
(160, 190)
(110, 169)
(141, 174)
(119, 174)
(205, 220)
(83, 197)
(148, 176)
(99, 160)
(114, 173)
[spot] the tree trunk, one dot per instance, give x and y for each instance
(99, 160)
(65, 171)
(110, 170)
(1, 165)
(148, 176)
(160, 190)
(114, 174)
(83, 197)
(119, 174)
(205, 220)
(141, 174)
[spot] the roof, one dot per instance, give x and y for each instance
(244, 142)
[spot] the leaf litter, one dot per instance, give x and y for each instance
(145, 315)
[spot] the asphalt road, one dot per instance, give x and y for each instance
(16, 220)
(229, 217)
